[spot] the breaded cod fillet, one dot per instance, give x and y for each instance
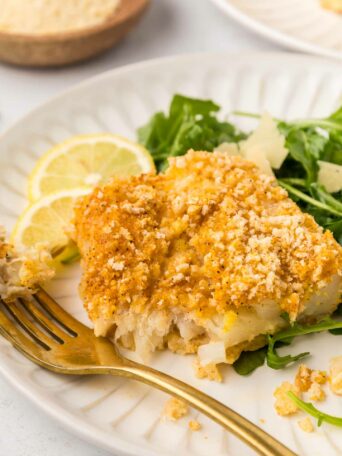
(211, 251)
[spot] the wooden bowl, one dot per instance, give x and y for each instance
(59, 49)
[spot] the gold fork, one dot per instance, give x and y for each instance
(46, 334)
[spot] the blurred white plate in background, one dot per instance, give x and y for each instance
(302, 25)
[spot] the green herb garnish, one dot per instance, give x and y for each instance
(309, 141)
(190, 124)
(279, 362)
(252, 360)
(311, 410)
(249, 361)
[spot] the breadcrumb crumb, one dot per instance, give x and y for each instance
(316, 393)
(194, 425)
(283, 404)
(335, 373)
(303, 378)
(175, 409)
(309, 380)
(21, 272)
(306, 424)
(319, 377)
(210, 371)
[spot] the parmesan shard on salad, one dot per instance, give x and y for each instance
(265, 144)
(330, 175)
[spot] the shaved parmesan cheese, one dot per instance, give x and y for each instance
(330, 175)
(257, 156)
(267, 140)
(214, 353)
(228, 148)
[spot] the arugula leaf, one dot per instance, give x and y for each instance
(309, 408)
(322, 195)
(300, 195)
(190, 124)
(333, 148)
(276, 361)
(279, 362)
(308, 141)
(249, 361)
(305, 146)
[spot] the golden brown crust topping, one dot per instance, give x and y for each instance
(211, 234)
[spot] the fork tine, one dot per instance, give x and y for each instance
(64, 319)
(48, 325)
(14, 335)
(31, 329)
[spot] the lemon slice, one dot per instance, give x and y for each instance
(87, 160)
(46, 220)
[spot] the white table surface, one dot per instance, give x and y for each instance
(169, 27)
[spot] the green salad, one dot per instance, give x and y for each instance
(313, 151)
(304, 155)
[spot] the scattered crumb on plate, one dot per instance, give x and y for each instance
(303, 378)
(283, 404)
(194, 425)
(210, 371)
(316, 392)
(175, 409)
(319, 377)
(306, 378)
(21, 272)
(335, 374)
(306, 424)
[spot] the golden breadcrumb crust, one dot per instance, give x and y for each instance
(175, 409)
(211, 371)
(283, 403)
(194, 425)
(21, 272)
(306, 424)
(211, 234)
(306, 378)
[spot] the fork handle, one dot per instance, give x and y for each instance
(248, 432)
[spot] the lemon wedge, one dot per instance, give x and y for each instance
(46, 221)
(87, 160)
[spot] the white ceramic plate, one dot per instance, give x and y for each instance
(302, 25)
(120, 415)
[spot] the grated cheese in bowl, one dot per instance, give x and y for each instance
(53, 16)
